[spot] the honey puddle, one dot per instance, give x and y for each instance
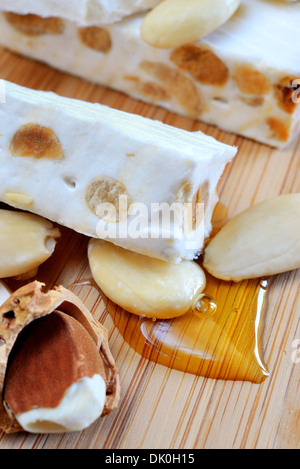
(220, 338)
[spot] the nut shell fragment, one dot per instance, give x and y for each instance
(30, 303)
(36, 362)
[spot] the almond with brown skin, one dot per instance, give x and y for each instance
(60, 359)
(54, 362)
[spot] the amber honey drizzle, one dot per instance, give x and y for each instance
(220, 340)
(220, 337)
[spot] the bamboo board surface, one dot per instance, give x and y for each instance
(162, 408)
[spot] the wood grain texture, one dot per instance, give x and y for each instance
(162, 408)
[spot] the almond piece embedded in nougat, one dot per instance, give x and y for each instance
(111, 174)
(83, 12)
(241, 77)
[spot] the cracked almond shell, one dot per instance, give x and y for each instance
(30, 303)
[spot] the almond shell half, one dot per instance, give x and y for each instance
(29, 303)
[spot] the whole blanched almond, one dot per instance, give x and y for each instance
(176, 22)
(26, 241)
(261, 241)
(142, 285)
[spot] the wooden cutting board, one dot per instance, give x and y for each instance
(162, 408)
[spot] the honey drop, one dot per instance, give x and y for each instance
(220, 337)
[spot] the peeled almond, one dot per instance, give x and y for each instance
(177, 22)
(142, 285)
(261, 241)
(26, 241)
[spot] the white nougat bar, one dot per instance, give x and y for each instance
(242, 78)
(85, 12)
(69, 160)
